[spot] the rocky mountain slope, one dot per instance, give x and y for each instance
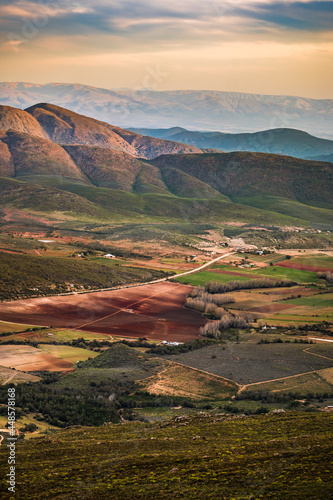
(63, 126)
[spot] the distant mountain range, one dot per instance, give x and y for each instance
(55, 160)
(280, 141)
(201, 110)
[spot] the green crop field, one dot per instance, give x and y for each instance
(290, 274)
(12, 327)
(314, 260)
(321, 301)
(202, 277)
(68, 353)
(68, 335)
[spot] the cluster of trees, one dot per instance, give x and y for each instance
(328, 276)
(208, 299)
(182, 348)
(63, 407)
(215, 329)
(280, 341)
(282, 397)
(207, 303)
(215, 287)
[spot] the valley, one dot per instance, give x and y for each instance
(149, 283)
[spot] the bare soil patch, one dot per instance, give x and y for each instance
(154, 311)
(272, 308)
(304, 267)
(180, 380)
(26, 358)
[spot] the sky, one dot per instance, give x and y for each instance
(254, 46)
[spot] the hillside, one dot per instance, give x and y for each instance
(244, 174)
(117, 170)
(63, 126)
(193, 109)
(282, 141)
(21, 121)
(31, 275)
(30, 155)
(213, 185)
(272, 456)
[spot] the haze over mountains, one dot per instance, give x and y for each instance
(200, 110)
(54, 160)
(277, 141)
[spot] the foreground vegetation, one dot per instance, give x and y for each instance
(273, 456)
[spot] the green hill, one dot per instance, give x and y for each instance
(47, 200)
(254, 174)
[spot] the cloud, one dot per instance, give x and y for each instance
(309, 16)
(62, 29)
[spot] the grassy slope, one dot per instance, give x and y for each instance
(272, 456)
(15, 376)
(21, 273)
(152, 206)
(253, 174)
(178, 380)
(48, 200)
(288, 207)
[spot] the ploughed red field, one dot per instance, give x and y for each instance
(271, 308)
(304, 267)
(154, 311)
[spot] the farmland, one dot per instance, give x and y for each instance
(312, 382)
(51, 335)
(8, 375)
(248, 362)
(153, 311)
(179, 380)
(51, 358)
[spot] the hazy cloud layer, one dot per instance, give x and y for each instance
(221, 42)
(129, 18)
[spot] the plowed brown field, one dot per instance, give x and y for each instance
(304, 267)
(154, 311)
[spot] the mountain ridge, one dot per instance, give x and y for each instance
(171, 185)
(282, 141)
(63, 126)
(199, 109)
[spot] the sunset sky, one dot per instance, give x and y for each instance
(259, 46)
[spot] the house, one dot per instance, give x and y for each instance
(109, 256)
